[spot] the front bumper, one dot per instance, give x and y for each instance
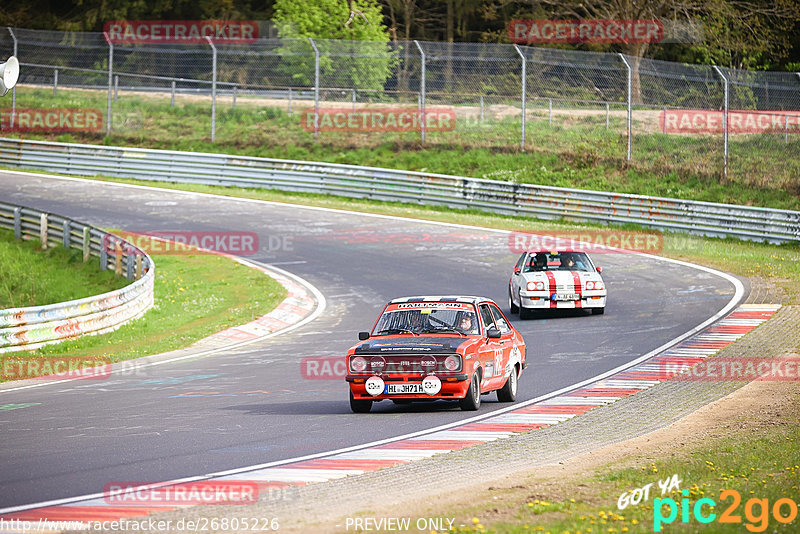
(454, 386)
(541, 300)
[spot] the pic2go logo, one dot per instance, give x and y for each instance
(758, 521)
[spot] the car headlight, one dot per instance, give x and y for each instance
(377, 364)
(358, 364)
(452, 363)
(535, 286)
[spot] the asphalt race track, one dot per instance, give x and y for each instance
(251, 405)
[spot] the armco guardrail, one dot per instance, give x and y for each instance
(706, 218)
(32, 327)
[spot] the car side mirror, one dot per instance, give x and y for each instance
(517, 270)
(493, 333)
(599, 269)
(363, 335)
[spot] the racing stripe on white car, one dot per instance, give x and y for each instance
(531, 417)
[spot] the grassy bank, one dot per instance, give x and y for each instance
(576, 151)
(195, 296)
(30, 276)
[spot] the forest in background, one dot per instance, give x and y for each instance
(744, 34)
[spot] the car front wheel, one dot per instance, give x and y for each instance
(472, 401)
(511, 306)
(360, 405)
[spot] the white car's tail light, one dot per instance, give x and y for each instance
(358, 364)
(535, 286)
(377, 364)
(594, 285)
(452, 363)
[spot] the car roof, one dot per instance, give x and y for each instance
(557, 251)
(446, 298)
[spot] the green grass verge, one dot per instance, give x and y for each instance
(30, 276)
(195, 296)
(576, 151)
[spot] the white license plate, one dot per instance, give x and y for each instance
(401, 389)
(565, 296)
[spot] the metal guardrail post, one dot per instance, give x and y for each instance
(116, 87)
(234, 97)
(86, 244)
(316, 88)
(14, 90)
(55, 82)
(213, 88)
(607, 112)
(17, 223)
(43, 229)
(724, 121)
(422, 87)
(110, 76)
(104, 254)
(289, 107)
(524, 92)
(481, 108)
(65, 234)
(172, 96)
(630, 104)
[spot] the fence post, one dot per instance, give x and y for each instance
(524, 91)
(87, 244)
(786, 128)
(172, 100)
(55, 82)
(607, 115)
(421, 105)
(213, 88)
(110, 76)
(724, 122)
(481, 108)
(234, 96)
(630, 104)
(289, 108)
(354, 99)
(316, 88)
(549, 111)
(17, 223)
(116, 87)
(65, 234)
(14, 90)
(43, 230)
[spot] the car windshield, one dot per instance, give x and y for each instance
(461, 320)
(557, 261)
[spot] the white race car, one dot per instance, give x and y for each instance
(544, 280)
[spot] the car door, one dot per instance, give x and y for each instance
(491, 352)
(507, 345)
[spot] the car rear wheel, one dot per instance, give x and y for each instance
(508, 393)
(360, 405)
(525, 313)
(598, 311)
(472, 401)
(511, 306)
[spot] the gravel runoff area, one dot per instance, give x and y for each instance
(323, 507)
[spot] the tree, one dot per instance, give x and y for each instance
(346, 64)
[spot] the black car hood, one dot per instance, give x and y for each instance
(416, 345)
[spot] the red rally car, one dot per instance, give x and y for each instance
(425, 348)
